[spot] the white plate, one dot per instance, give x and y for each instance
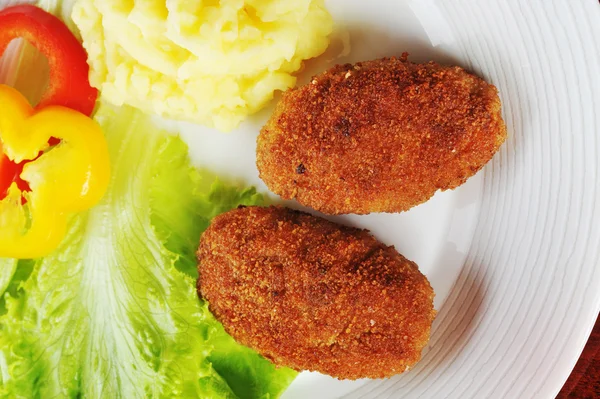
(513, 254)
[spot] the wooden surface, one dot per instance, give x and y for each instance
(584, 381)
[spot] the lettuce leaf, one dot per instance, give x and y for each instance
(114, 312)
(8, 267)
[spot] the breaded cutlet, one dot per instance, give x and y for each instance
(379, 136)
(310, 294)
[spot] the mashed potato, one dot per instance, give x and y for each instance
(206, 61)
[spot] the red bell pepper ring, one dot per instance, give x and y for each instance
(68, 85)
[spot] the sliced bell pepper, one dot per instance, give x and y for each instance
(10, 172)
(67, 178)
(68, 84)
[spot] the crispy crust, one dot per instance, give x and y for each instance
(313, 295)
(379, 136)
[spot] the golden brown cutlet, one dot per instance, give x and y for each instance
(310, 294)
(379, 136)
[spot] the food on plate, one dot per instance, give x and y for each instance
(69, 177)
(68, 84)
(212, 63)
(313, 295)
(379, 136)
(113, 312)
(10, 173)
(8, 267)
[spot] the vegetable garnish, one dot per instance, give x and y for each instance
(10, 172)
(69, 177)
(113, 312)
(68, 85)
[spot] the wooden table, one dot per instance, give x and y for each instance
(584, 381)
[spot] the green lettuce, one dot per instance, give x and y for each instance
(7, 270)
(114, 312)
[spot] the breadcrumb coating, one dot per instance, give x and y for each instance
(379, 136)
(310, 294)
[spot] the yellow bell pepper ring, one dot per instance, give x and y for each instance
(67, 178)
